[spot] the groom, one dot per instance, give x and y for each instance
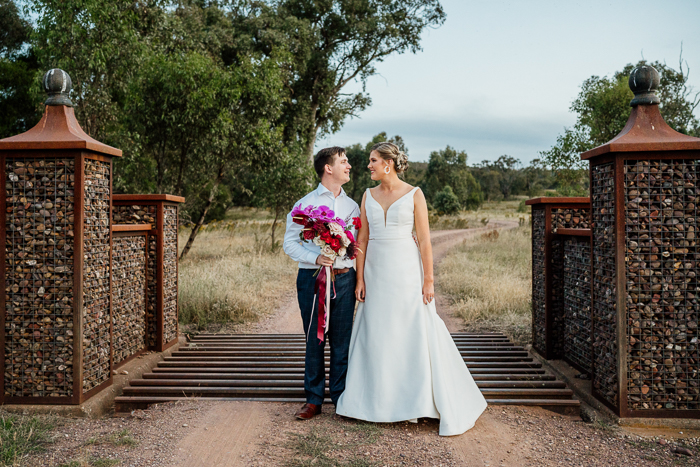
(332, 167)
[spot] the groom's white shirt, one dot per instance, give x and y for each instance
(305, 253)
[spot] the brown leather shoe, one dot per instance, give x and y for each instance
(308, 411)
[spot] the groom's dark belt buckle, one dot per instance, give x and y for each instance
(338, 272)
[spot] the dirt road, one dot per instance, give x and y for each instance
(229, 432)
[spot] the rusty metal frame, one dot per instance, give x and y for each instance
(618, 159)
(601, 398)
(547, 204)
(160, 202)
(78, 221)
(79, 194)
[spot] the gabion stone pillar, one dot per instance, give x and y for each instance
(161, 211)
(551, 218)
(55, 267)
(645, 185)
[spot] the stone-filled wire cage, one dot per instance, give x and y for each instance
(86, 289)
(644, 187)
(55, 213)
(560, 239)
(161, 212)
(641, 344)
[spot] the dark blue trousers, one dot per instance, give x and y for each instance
(338, 337)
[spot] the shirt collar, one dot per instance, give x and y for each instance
(322, 190)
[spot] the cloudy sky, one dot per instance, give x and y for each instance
(499, 76)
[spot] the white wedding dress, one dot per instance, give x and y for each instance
(403, 363)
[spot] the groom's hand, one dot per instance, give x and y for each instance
(322, 260)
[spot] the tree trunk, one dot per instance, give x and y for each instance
(183, 156)
(274, 227)
(210, 201)
(312, 134)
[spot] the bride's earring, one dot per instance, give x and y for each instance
(387, 169)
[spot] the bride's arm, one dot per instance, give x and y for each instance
(362, 240)
(426, 249)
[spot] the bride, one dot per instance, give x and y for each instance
(403, 363)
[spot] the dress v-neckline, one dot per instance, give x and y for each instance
(386, 211)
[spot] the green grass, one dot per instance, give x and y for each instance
(91, 462)
(313, 448)
(604, 426)
(21, 436)
(369, 432)
(120, 438)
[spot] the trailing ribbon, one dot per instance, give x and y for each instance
(323, 292)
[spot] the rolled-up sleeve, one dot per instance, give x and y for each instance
(292, 244)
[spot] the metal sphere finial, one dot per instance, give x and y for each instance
(644, 81)
(57, 84)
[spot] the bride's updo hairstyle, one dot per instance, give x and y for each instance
(390, 151)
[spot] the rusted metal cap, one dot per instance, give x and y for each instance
(646, 130)
(644, 81)
(57, 84)
(58, 128)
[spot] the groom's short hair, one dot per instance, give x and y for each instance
(325, 156)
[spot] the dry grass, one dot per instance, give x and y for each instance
(489, 280)
(231, 275)
(489, 211)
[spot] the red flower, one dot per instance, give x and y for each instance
(335, 244)
(357, 222)
(320, 227)
(309, 234)
(350, 236)
(351, 251)
(326, 236)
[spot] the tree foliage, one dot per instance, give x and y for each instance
(279, 184)
(602, 109)
(446, 202)
(449, 167)
(358, 157)
(332, 43)
(98, 44)
(18, 69)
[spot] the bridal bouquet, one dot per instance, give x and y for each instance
(334, 237)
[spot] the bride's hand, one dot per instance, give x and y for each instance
(360, 291)
(428, 291)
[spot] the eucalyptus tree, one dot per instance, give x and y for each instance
(332, 43)
(99, 45)
(449, 167)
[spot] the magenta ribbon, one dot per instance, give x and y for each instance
(323, 292)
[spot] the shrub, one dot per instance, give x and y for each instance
(446, 201)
